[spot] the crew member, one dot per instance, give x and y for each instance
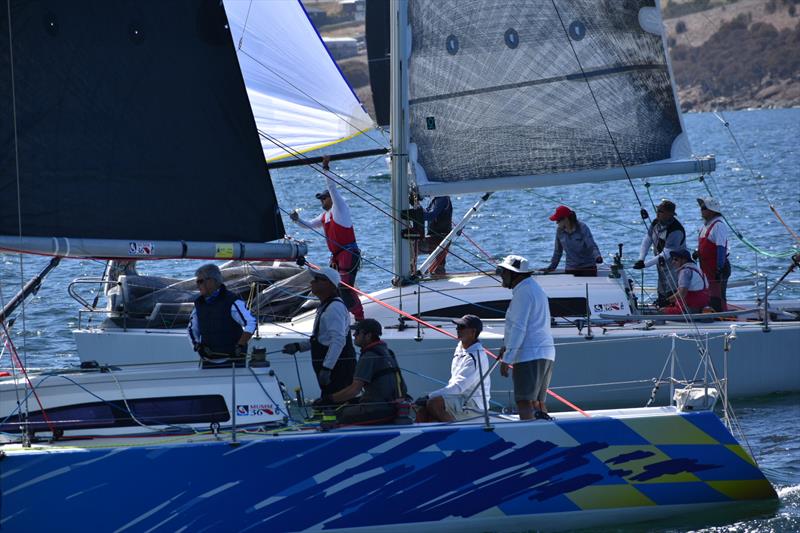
(712, 250)
(462, 397)
(220, 325)
(340, 236)
(665, 235)
(692, 293)
(332, 354)
(574, 238)
(527, 343)
(439, 218)
(377, 378)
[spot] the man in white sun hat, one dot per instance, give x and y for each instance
(712, 251)
(332, 354)
(527, 343)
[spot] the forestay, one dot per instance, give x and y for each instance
(502, 94)
(299, 98)
(127, 132)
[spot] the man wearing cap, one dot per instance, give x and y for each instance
(377, 378)
(332, 354)
(461, 397)
(220, 324)
(692, 293)
(665, 235)
(712, 250)
(574, 238)
(528, 343)
(337, 224)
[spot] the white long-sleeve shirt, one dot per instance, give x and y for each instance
(239, 313)
(527, 331)
(340, 211)
(465, 375)
(334, 326)
(673, 242)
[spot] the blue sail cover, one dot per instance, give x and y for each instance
(132, 121)
(502, 94)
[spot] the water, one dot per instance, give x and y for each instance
(516, 222)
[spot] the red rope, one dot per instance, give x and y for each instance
(447, 333)
(15, 357)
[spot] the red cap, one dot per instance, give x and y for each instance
(562, 211)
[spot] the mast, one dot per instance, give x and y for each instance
(399, 137)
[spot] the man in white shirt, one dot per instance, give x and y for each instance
(462, 397)
(332, 352)
(712, 251)
(528, 343)
(340, 235)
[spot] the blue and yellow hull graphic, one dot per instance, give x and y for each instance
(518, 477)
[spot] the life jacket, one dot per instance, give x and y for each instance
(338, 237)
(218, 330)
(441, 226)
(696, 299)
(392, 368)
(342, 372)
(660, 237)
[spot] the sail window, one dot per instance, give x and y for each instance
(148, 411)
(452, 44)
(577, 30)
(512, 38)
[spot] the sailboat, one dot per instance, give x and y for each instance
(494, 472)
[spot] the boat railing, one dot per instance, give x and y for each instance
(72, 290)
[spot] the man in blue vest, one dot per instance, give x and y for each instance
(220, 325)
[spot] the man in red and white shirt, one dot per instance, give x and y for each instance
(337, 224)
(712, 251)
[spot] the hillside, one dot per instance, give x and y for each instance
(726, 54)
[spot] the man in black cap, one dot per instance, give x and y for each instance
(665, 235)
(377, 378)
(337, 224)
(461, 398)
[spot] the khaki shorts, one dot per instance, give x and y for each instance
(454, 404)
(531, 380)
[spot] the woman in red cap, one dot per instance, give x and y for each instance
(574, 238)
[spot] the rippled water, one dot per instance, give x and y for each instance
(765, 169)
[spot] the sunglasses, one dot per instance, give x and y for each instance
(201, 280)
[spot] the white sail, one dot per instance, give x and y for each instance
(299, 98)
(517, 94)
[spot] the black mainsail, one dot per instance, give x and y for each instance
(126, 128)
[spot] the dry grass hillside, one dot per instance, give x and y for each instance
(726, 54)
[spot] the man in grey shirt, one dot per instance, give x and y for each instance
(574, 238)
(665, 235)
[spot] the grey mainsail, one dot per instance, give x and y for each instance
(517, 94)
(126, 131)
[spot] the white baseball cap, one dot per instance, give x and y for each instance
(328, 273)
(712, 204)
(515, 263)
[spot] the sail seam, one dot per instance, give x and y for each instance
(596, 73)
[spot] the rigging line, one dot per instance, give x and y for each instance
(16, 170)
(310, 97)
(587, 212)
(341, 181)
(745, 240)
(431, 289)
(448, 334)
(599, 110)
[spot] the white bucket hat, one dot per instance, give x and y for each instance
(515, 263)
(712, 204)
(328, 273)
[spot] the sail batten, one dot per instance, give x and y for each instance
(522, 94)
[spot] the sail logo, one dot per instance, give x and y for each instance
(261, 409)
(140, 248)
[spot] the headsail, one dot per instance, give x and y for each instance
(128, 130)
(502, 94)
(299, 98)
